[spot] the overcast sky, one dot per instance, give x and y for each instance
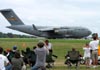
(84, 13)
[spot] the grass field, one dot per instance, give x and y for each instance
(60, 48)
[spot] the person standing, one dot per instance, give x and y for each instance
(94, 47)
(41, 53)
(87, 54)
(48, 44)
(3, 60)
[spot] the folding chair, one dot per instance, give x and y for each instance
(73, 58)
(50, 60)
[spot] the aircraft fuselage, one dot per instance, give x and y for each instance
(62, 32)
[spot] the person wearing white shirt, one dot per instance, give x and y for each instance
(87, 54)
(3, 60)
(48, 44)
(94, 47)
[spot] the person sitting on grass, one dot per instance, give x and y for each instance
(17, 61)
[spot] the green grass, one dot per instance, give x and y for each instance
(60, 48)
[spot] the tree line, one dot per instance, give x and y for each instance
(10, 35)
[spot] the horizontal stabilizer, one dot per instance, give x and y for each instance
(11, 17)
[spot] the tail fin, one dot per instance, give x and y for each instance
(11, 17)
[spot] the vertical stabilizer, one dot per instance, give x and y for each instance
(11, 17)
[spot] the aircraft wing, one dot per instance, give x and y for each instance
(45, 29)
(48, 29)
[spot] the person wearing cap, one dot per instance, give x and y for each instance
(94, 47)
(41, 53)
(14, 48)
(12, 53)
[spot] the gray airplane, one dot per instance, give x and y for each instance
(43, 31)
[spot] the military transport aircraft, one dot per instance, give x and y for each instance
(44, 31)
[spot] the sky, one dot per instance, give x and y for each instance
(84, 13)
